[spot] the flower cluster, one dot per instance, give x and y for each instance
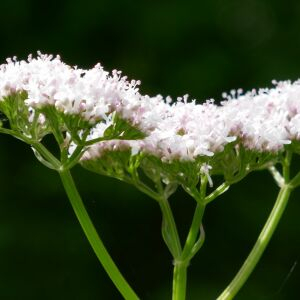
(267, 119)
(181, 131)
(263, 120)
(47, 81)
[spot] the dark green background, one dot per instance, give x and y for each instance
(175, 47)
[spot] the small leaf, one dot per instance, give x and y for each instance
(167, 236)
(42, 160)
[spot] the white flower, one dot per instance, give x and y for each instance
(263, 120)
(91, 94)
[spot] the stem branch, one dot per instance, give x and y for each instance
(260, 245)
(194, 230)
(95, 241)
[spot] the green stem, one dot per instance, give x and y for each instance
(15, 134)
(180, 265)
(260, 245)
(47, 155)
(191, 245)
(179, 280)
(143, 188)
(75, 157)
(194, 230)
(217, 192)
(36, 145)
(95, 241)
(295, 182)
(286, 166)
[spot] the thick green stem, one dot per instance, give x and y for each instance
(191, 245)
(260, 245)
(181, 265)
(179, 280)
(95, 241)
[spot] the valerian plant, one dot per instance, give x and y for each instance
(101, 121)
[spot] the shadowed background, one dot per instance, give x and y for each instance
(175, 47)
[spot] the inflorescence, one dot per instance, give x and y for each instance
(262, 121)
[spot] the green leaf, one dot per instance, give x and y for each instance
(167, 236)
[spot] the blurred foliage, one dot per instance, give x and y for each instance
(175, 47)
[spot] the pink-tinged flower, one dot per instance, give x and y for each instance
(91, 94)
(263, 120)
